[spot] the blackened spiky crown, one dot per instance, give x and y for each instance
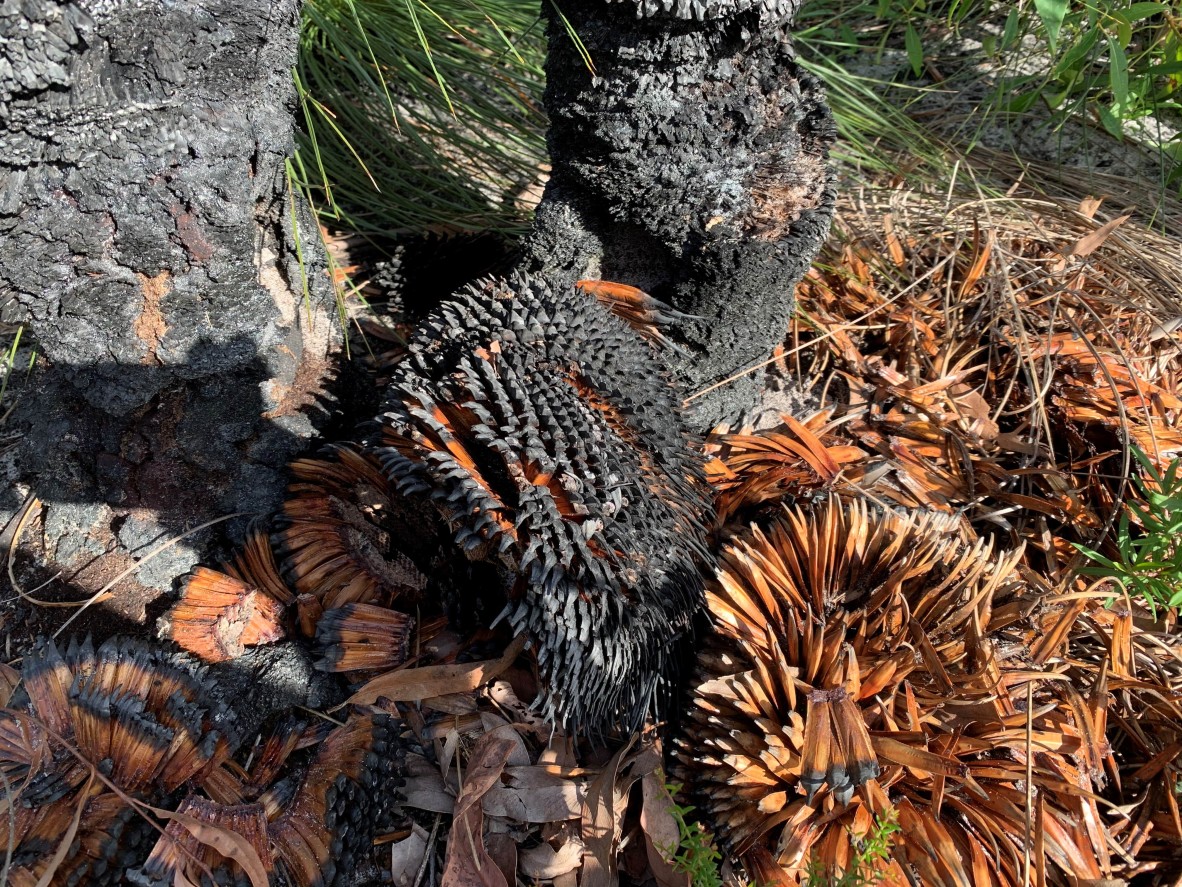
(546, 432)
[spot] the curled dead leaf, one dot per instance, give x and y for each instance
(544, 863)
(661, 834)
(414, 684)
(468, 861)
(1089, 243)
(406, 856)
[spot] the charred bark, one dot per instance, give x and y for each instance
(146, 242)
(693, 164)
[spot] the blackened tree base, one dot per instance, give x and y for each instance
(692, 162)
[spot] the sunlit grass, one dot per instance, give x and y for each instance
(421, 115)
(425, 115)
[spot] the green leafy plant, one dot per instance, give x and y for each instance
(873, 125)
(695, 853)
(1113, 61)
(1149, 559)
(869, 852)
(1110, 62)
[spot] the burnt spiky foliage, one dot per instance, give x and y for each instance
(363, 638)
(543, 429)
(858, 667)
(334, 537)
(637, 308)
(348, 791)
(307, 828)
(141, 717)
(110, 837)
(255, 565)
(773, 11)
(219, 614)
(142, 713)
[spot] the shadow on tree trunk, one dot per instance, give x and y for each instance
(112, 488)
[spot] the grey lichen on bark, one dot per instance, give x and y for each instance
(147, 244)
(693, 163)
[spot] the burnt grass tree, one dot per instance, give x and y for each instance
(186, 352)
(187, 344)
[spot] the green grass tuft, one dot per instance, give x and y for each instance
(424, 115)
(1107, 64)
(421, 114)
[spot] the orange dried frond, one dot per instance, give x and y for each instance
(753, 469)
(363, 638)
(335, 542)
(218, 616)
(853, 672)
(255, 565)
(645, 314)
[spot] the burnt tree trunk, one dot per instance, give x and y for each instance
(146, 243)
(692, 163)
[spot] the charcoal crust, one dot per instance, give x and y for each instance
(184, 327)
(545, 432)
(693, 163)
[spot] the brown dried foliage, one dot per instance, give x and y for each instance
(337, 548)
(977, 383)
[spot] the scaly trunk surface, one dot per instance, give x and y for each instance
(693, 164)
(146, 243)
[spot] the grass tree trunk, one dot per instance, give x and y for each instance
(689, 157)
(147, 244)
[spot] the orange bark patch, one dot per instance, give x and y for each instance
(150, 327)
(192, 238)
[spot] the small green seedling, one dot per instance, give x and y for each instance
(869, 851)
